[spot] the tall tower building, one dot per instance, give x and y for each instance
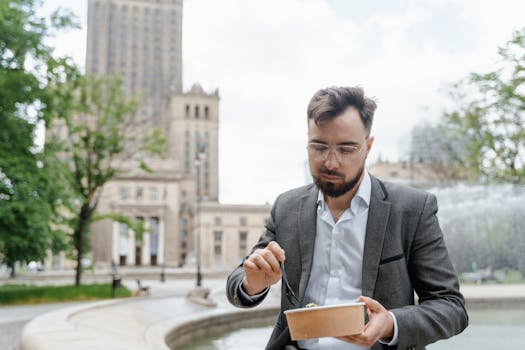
(140, 41)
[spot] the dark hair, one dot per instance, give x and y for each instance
(331, 102)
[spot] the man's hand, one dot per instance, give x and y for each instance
(380, 325)
(262, 268)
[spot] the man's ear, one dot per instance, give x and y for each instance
(369, 143)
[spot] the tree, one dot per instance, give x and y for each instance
(27, 193)
(101, 136)
(490, 116)
(490, 122)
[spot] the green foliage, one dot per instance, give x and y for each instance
(26, 294)
(28, 192)
(101, 137)
(137, 226)
(490, 117)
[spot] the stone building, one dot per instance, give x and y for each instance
(141, 41)
(226, 232)
(419, 175)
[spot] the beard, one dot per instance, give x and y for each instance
(331, 189)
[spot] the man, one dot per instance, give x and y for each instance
(352, 235)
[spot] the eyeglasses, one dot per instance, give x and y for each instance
(320, 151)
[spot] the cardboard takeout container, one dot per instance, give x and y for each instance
(326, 321)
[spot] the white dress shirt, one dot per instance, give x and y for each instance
(336, 275)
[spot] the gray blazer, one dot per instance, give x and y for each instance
(404, 252)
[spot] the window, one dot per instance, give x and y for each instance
(154, 239)
(123, 243)
(217, 221)
(153, 193)
(243, 221)
(243, 238)
(139, 193)
(196, 112)
(124, 192)
(206, 112)
(217, 246)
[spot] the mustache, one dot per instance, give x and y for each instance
(331, 173)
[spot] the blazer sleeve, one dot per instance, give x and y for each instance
(441, 311)
(233, 283)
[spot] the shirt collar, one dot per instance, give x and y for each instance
(363, 194)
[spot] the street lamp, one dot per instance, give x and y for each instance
(201, 157)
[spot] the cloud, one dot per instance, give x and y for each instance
(268, 58)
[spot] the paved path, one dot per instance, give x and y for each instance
(14, 318)
(10, 335)
(130, 324)
(138, 312)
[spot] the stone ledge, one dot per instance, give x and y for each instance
(170, 322)
(140, 323)
(221, 323)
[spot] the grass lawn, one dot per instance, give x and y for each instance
(12, 294)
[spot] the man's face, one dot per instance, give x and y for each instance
(338, 169)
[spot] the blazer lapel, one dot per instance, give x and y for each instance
(378, 213)
(307, 230)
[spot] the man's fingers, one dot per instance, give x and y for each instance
(271, 260)
(276, 249)
(356, 339)
(261, 263)
(371, 304)
(379, 326)
(250, 265)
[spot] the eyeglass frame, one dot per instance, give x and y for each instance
(340, 157)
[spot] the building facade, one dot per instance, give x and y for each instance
(226, 232)
(140, 41)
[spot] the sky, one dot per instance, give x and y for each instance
(267, 58)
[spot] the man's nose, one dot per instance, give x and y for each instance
(331, 161)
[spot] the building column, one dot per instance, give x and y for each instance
(161, 250)
(131, 248)
(115, 253)
(146, 249)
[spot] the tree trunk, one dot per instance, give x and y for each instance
(83, 223)
(12, 273)
(79, 247)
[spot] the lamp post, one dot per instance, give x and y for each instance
(201, 156)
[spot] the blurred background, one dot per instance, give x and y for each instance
(153, 136)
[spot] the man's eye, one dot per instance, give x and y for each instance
(347, 150)
(320, 148)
